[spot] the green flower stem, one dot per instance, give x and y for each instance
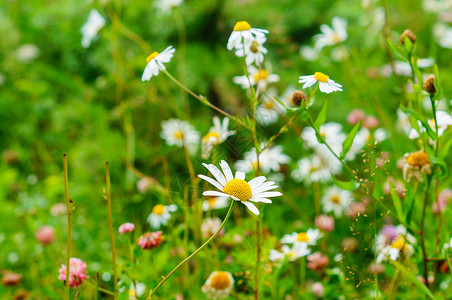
(194, 253)
(422, 229)
(69, 214)
(110, 227)
(302, 274)
(205, 101)
(432, 101)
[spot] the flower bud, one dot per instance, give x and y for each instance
(298, 97)
(429, 84)
(409, 34)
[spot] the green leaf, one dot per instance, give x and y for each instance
(408, 45)
(409, 203)
(418, 116)
(418, 74)
(397, 202)
(399, 54)
(345, 185)
(439, 90)
(409, 274)
(445, 149)
(322, 116)
(346, 145)
(439, 163)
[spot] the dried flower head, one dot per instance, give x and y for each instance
(409, 34)
(415, 165)
(429, 84)
(219, 285)
(9, 278)
(150, 240)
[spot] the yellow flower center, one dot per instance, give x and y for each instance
(260, 75)
(336, 38)
(321, 77)
(432, 123)
(268, 104)
(254, 47)
(254, 163)
(158, 209)
(238, 188)
(153, 55)
(242, 26)
(400, 244)
(220, 280)
(212, 201)
(178, 134)
(132, 293)
(418, 159)
(336, 199)
(216, 135)
(302, 237)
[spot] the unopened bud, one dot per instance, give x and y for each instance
(409, 34)
(254, 47)
(298, 97)
(429, 84)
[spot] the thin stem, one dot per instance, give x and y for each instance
(69, 214)
(110, 227)
(422, 229)
(302, 274)
(191, 196)
(194, 253)
(205, 101)
(432, 101)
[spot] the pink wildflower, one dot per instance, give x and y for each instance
(150, 240)
(355, 116)
(77, 272)
(325, 222)
(317, 261)
(126, 227)
(45, 235)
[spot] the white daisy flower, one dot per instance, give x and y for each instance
(443, 35)
(331, 132)
(219, 285)
(404, 68)
(275, 255)
(179, 133)
(444, 120)
(298, 250)
(93, 24)
(331, 36)
(255, 190)
(337, 201)
(155, 63)
(254, 50)
(160, 215)
(326, 85)
(264, 77)
(138, 292)
(400, 245)
(215, 203)
(165, 6)
(244, 33)
(217, 135)
(316, 168)
(26, 53)
(310, 237)
(309, 53)
(270, 160)
(269, 109)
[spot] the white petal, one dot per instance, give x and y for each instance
(216, 173)
(215, 193)
(310, 82)
(240, 175)
(251, 207)
(325, 87)
(255, 182)
(264, 188)
(226, 170)
(268, 194)
(263, 200)
(211, 181)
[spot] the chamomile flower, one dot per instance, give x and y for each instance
(264, 77)
(444, 120)
(254, 50)
(218, 285)
(160, 215)
(217, 135)
(397, 247)
(215, 203)
(310, 237)
(165, 6)
(331, 36)
(255, 190)
(93, 24)
(155, 62)
(179, 133)
(326, 85)
(275, 255)
(296, 251)
(269, 110)
(243, 33)
(134, 292)
(415, 165)
(309, 53)
(331, 132)
(336, 200)
(270, 160)
(315, 169)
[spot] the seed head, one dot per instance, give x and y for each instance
(429, 84)
(298, 97)
(409, 34)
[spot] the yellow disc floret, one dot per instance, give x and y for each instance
(260, 75)
(220, 280)
(178, 134)
(418, 159)
(302, 237)
(158, 209)
(238, 188)
(207, 137)
(336, 199)
(400, 244)
(321, 77)
(242, 26)
(153, 55)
